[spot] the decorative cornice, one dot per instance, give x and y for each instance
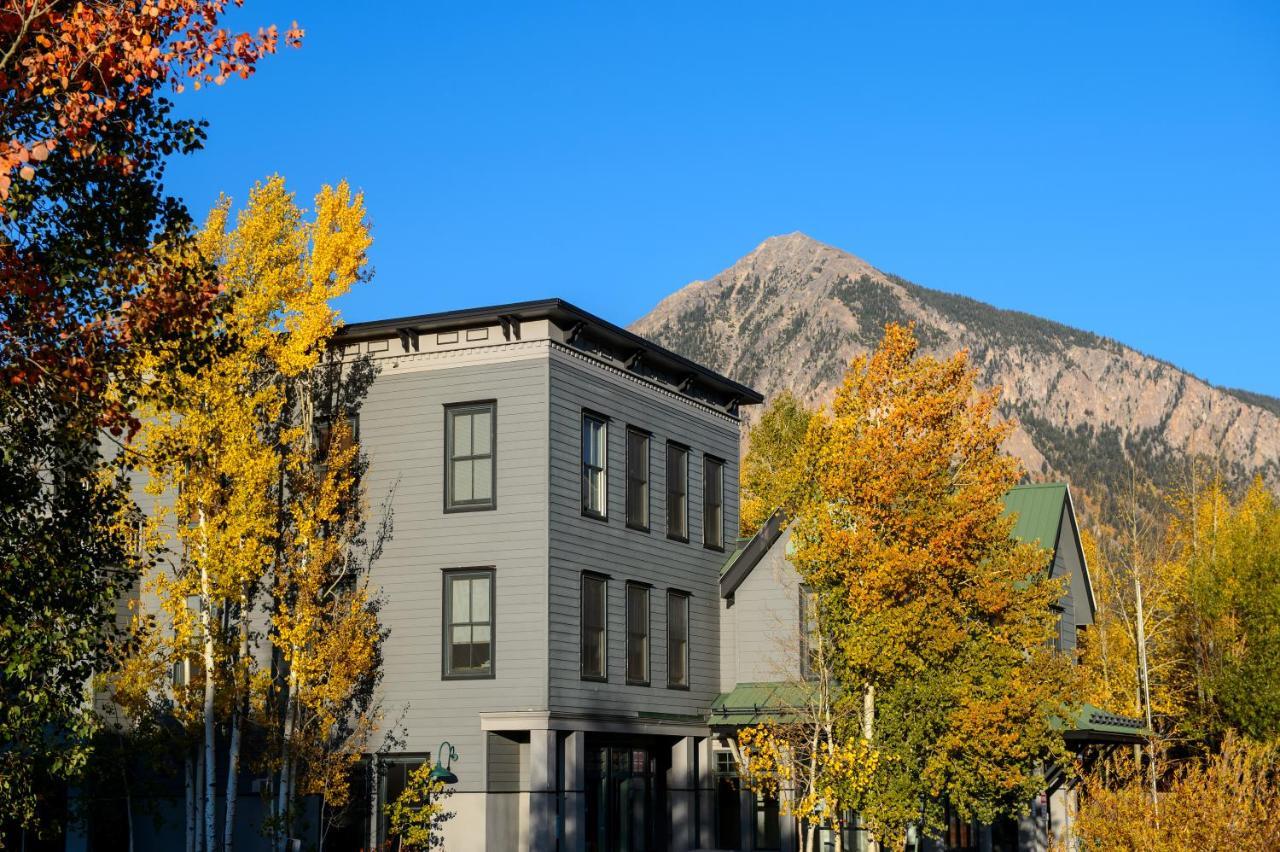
(646, 382)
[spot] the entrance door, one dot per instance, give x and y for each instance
(621, 799)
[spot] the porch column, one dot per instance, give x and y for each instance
(575, 792)
(747, 817)
(681, 794)
(706, 795)
(542, 791)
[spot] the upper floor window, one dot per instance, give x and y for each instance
(677, 492)
(637, 479)
(595, 649)
(637, 634)
(678, 639)
(468, 623)
(470, 432)
(809, 635)
(595, 472)
(712, 502)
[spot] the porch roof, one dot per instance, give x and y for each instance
(753, 703)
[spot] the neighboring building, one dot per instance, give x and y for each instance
(763, 636)
(568, 605)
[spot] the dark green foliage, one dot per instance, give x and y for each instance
(74, 247)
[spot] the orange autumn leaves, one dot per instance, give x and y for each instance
(937, 619)
(67, 67)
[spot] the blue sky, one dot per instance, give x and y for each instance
(1113, 166)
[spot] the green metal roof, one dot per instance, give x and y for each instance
(1090, 724)
(753, 703)
(1039, 512)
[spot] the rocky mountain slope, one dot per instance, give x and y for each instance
(794, 312)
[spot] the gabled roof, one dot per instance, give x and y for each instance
(1039, 511)
(739, 564)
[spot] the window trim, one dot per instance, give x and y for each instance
(683, 539)
(807, 672)
(688, 609)
(446, 613)
(582, 626)
(648, 632)
(648, 479)
(603, 420)
(492, 503)
(707, 461)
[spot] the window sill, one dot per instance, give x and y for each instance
(456, 510)
(485, 676)
(595, 516)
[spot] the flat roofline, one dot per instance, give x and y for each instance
(554, 309)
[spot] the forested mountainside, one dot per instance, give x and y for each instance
(794, 312)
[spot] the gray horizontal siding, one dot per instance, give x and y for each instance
(402, 430)
(765, 622)
(584, 544)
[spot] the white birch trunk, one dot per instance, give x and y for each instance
(286, 760)
(198, 821)
(868, 734)
(233, 751)
(210, 757)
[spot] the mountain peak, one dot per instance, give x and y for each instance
(793, 313)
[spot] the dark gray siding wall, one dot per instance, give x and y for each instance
(1066, 563)
(764, 623)
(401, 428)
(579, 543)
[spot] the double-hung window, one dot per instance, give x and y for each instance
(468, 623)
(470, 477)
(712, 503)
(595, 474)
(637, 479)
(677, 639)
(638, 634)
(595, 640)
(677, 492)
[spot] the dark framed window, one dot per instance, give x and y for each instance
(637, 479)
(677, 639)
(809, 636)
(468, 622)
(595, 627)
(677, 492)
(595, 465)
(470, 472)
(712, 503)
(638, 634)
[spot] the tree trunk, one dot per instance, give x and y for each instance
(868, 734)
(210, 756)
(128, 796)
(233, 750)
(1146, 686)
(198, 821)
(190, 766)
(284, 794)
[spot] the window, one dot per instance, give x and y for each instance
(637, 634)
(468, 623)
(809, 636)
(595, 649)
(712, 503)
(470, 478)
(594, 466)
(677, 492)
(678, 640)
(637, 479)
